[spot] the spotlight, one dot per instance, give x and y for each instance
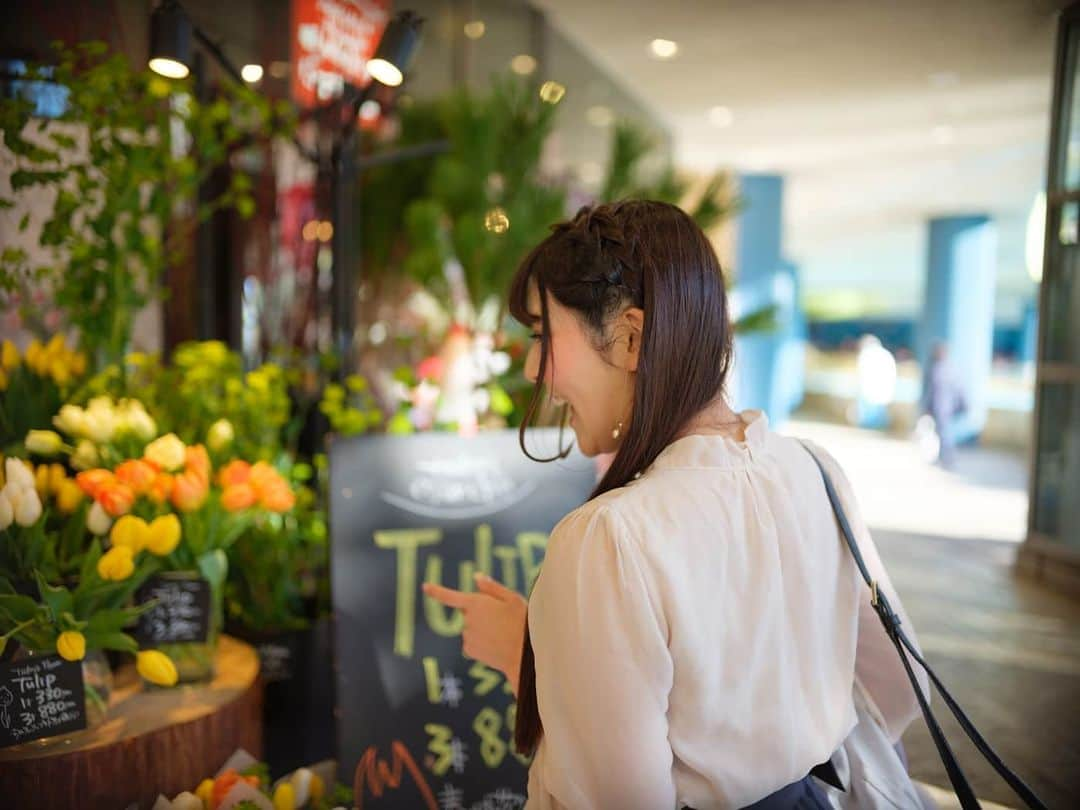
(170, 41)
(396, 48)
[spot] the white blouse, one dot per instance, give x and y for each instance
(697, 633)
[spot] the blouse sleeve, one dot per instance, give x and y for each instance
(603, 672)
(877, 664)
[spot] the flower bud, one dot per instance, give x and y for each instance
(71, 645)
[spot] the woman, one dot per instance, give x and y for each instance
(698, 629)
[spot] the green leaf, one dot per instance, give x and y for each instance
(69, 622)
(24, 222)
(19, 608)
(6, 203)
(214, 565)
(22, 178)
(58, 598)
(120, 642)
(116, 619)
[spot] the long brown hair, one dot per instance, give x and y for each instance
(644, 254)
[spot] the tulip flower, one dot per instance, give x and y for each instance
(71, 645)
(278, 497)
(98, 520)
(71, 420)
(138, 475)
(68, 496)
(9, 356)
(85, 456)
(161, 488)
(130, 532)
(167, 452)
(44, 442)
(238, 496)
(7, 512)
(28, 507)
(94, 482)
(118, 563)
(18, 472)
(163, 535)
(189, 491)
(117, 499)
(156, 667)
(235, 472)
(220, 435)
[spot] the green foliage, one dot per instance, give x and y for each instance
(490, 171)
(630, 145)
(126, 160)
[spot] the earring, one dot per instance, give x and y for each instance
(617, 432)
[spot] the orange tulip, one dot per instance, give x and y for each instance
(237, 471)
(238, 496)
(278, 497)
(197, 461)
(117, 499)
(263, 475)
(161, 488)
(94, 481)
(189, 491)
(136, 474)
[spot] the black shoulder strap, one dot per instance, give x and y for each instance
(904, 647)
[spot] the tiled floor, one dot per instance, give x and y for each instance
(1009, 650)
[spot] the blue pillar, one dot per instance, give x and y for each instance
(769, 366)
(1029, 333)
(959, 308)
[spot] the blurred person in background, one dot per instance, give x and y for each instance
(943, 400)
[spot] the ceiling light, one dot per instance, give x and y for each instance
(474, 29)
(523, 64)
(251, 73)
(170, 41)
(663, 48)
(721, 117)
(600, 116)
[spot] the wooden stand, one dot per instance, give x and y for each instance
(153, 741)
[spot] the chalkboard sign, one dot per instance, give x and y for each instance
(182, 612)
(423, 726)
(40, 697)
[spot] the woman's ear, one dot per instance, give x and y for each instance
(631, 325)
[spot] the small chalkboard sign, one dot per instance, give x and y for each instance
(40, 697)
(182, 612)
(420, 725)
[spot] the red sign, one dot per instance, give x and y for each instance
(331, 43)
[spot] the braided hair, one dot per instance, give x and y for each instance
(634, 253)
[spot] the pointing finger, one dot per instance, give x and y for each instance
(448, 596)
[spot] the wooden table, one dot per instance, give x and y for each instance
(152, 741)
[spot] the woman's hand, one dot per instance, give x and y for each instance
(494, 623)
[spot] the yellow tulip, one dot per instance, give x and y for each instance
(85, 456)
(118, 563)
(284, 797)
(3, 380)
(71, 645)
(205, 791)
(167, 452)
(156, 667)
(55, 346)
(317, 788)
(130, 532)
(78, 364)
(68, 496)
(220, 434)
(57, 476)
(60, 371)
(9, 356)
(34, 353)
(163, 534)
(41, 480)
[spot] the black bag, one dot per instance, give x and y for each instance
(904, 648)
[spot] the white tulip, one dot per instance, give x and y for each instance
(101, 424)
(140, 422)
(7, 514)
(301, 784)
(71, 420)
(28, 509)
(98, 520)
(18, 473)
(85, 456)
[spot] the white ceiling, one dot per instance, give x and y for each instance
(880, 113)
